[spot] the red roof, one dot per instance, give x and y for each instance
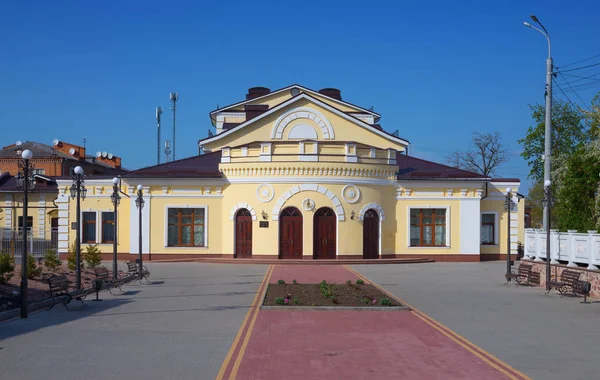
(416, 168)
(202, 166)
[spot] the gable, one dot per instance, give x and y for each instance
(304, 117)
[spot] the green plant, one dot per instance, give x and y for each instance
(326, 289)
(360, 282)
(348, 282)
(7, 267)
(51, 259)
(280, 282)
(385, 302)
(33, 270)
(93, 256)
(294, 281)
(72, 258)
(296, 301)
(279, 301)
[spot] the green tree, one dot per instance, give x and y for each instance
(568, 133)
(7, 267)
(51, 259)
(93, 256)
(33, 270)
(535, 199)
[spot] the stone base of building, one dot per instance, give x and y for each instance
(496, 257)
(592, 276)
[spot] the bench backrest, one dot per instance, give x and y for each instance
(101, 273)
(570, 276)
(525, 269)
(58, 283)
(131, 266)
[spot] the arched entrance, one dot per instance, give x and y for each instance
(243, 234)
(290, 234)
(371, 235)
(324, 234)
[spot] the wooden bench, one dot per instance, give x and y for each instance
(525, 275)
(569, 279)
(108, 283)
(134, 269)
(59, 291)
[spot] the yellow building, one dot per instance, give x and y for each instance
(300, 174)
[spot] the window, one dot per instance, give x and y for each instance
(39, 171)
(88, 232)
(108, 227)
(29, 223)
(428, 227)
(186, 227)
(488, 228)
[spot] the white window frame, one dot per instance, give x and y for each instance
(166, 223)
(447, 208)
(496, 228)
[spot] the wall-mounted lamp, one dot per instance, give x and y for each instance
(264, 215)
(352, 215)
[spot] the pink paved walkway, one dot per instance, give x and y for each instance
(312, 274)
(354, 345)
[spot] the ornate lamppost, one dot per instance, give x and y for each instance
(116, 199)
(78, 192)
(511, 200)
(139, 203)
(25, 181)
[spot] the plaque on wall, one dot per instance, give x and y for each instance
(263, 224)
(74, 225)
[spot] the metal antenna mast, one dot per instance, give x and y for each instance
(167, 151)
(158, 113)
(174, 98)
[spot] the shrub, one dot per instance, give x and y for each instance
(348, 282)
(7, 267)
(294, 281)
(71, 260)
(51, 259)
(280, 282)
(92, 256)
(326, 289)
(279, 301)
(385, 302)
(296, 301)
(360, 282)
(33, 270)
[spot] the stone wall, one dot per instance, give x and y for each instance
(592, 276)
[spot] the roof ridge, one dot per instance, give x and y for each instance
(173, 162)
(444, 165)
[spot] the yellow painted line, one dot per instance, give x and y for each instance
(464, 342)
(252, 308)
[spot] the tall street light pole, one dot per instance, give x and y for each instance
(548, 122)
(508, 207)
(139, 202)
(78, 191)
(116, 199)
(547, 184)
(25, 181)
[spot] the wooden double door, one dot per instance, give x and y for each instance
(371, 235)
(324, 234)
(290, 234)
(243, 234)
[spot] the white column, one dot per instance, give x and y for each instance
(591, 250)
(134, 222)
(470, 225)
(62, 201)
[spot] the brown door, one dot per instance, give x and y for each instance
(324, 237)
(54, 231)
(290, 234)
(243, 234)
(371, 235)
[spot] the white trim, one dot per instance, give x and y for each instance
(240, 206)
(446, 207)
(302, 131)
(351, 199)
(312, 100)
(337, 205)
(302, 113)
(166, 224)
(308, 158)
(374, 206)
(382, 182)
(186, 196)
(496, 228)
(267, 198)
(224, 110)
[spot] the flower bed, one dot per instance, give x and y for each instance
(324, 294)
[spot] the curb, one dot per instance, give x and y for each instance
(336, 308)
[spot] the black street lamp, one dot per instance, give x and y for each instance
(78, 191)
(116, 199)
(26, 182)
(139, 203)
(508, 204)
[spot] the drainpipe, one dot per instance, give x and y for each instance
(486, 191)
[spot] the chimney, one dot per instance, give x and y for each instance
(255, 92)
(331, 92)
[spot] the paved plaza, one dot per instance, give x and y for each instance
(188, 321)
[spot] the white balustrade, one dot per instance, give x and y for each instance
(571, 247)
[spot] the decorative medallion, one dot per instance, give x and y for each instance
(580, 248)
(308, 204)
(351, 194)
(265, 192)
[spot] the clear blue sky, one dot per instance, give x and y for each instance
(436, 70)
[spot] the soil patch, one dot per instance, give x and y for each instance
(352, 294)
